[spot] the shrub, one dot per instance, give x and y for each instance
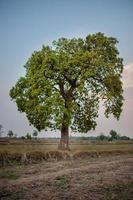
(56, 155)
(14, 157)
(28, 136)
(102, 137)
(61, 181)
(23, 137)
(4, 158)
(124, 138)
(9, 158)
(85, 154)
(35, 156)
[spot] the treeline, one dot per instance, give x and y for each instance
(113, 135)
(11, 134)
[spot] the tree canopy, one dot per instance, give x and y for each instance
(65, 82)
(114, 135)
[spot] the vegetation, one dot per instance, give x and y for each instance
(70, 179)
(23, 137)
(61, 182)
(102, 137)
(24, 167)
(10, 133)
(114, 135)
(18, 151)
(35, 133)
(6, 174)
(10, 158)
(1, 131)
(28, 136)
(124, 138)
(64, 84)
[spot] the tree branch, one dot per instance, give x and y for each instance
(61, 86)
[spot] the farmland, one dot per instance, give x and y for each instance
(22, 146)
(90, 171)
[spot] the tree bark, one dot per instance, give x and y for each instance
(64, 141)
(67, 96)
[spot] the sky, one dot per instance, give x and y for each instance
(26, 25)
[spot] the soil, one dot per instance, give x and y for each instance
(109, 178)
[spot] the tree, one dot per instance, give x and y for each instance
(1, 131)
(102, 137)
(10, 133)
(23, 137)
(124, 137)
(28, 136)
(64, 84)
(35, 133)
(113, 135)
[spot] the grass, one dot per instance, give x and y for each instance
(42, 146)
(107, 177)
(119, 190)
(61, 181)
(10, 175)
(27, 153)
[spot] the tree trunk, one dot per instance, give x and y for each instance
(64, 141)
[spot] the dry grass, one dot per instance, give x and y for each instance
(20, 146)
(27, 152)
(11, 158)
(107, 177)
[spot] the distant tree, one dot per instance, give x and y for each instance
(23, 137)
(10, 133)
(35, 133)
(102, 137)
(114, 135)
(124, 137)
(1, 131)
(64, 84)
(28, 136)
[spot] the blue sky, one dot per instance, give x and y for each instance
(26, 25)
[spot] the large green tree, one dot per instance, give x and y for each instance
(65, 82)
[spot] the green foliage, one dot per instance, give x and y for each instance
(28, 136)
(61, 181)
(124, 137)
(8, 175)
(64, 83)
(35, 133)
(23, 137)
(102, 137)
(114, 135)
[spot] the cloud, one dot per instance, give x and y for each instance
(128, 76)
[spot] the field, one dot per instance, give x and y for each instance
(44, 145)
(90, 171)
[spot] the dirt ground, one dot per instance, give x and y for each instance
(109, 178)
